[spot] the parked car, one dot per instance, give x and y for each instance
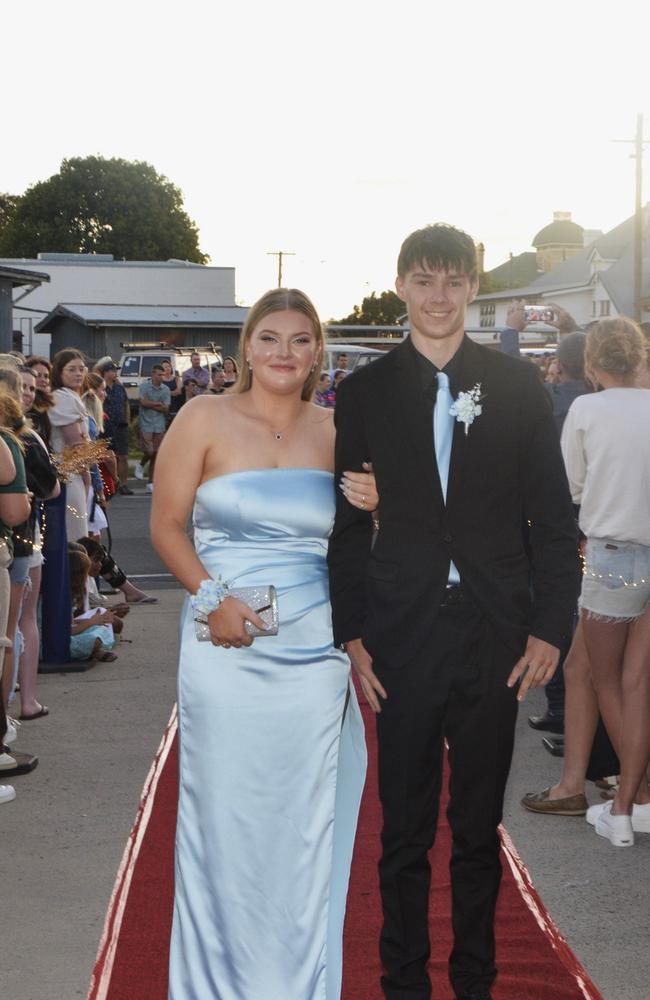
(548, 350)
(357, 356)
(138, 360)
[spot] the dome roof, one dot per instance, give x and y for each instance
(561, 231)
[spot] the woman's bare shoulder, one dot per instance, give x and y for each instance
(214, 407)
(321, 415)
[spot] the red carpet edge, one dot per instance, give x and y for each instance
(101, 977)
(100, 984)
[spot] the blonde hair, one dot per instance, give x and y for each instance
(11, 380)
(92, 382)
(12, 421)
(279, 300)
(616, 346)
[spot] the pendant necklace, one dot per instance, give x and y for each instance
(279, 435)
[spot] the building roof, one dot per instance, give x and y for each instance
(19, 276)
(561, 231)
(576, 272)
(102, 260)
(519, 270)
(98, 314)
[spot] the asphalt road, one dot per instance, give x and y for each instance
(64, 834)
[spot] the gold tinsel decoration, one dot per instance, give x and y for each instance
(75, 459)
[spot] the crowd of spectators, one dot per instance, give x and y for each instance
(62, 456)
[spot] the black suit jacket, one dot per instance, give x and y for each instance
(508, 517)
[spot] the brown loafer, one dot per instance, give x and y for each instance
(539, 802)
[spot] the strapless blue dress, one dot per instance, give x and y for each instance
(272, 759)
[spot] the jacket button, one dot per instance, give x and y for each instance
(447, 538)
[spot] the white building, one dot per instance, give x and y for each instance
(98, 279)
(597, 281)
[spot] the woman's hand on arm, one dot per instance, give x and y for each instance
(360, 488)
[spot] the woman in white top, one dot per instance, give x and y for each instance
(606, 448)
(69, 421)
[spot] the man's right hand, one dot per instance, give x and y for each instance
(516, 316)
(362, 663)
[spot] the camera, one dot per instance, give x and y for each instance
(539, 314)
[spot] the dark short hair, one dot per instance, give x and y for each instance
(216, 368)
(441, 248)
(94, 550)
(158, 368)
(191, 381)
(571, 354)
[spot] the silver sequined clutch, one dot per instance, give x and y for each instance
(263, 600)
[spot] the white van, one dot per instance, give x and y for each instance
(356, 356)
(138, 360)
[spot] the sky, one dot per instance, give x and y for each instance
(333, 130)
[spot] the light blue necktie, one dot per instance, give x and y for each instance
(443, 433)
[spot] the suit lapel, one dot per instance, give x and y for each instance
(414, 418)
(471, 373)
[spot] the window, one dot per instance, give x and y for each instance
(131, 366)
(604, 307)
(149, 360)
(487, 314)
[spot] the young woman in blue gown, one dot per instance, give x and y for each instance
(273, 757)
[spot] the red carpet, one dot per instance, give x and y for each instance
(535, 963)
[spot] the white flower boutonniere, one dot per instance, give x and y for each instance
(467, 407)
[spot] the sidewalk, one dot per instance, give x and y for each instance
(64, 834)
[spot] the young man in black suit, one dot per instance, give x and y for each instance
(462, 603)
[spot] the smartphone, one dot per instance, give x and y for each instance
(539, 314)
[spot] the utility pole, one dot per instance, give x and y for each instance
(280, 254)
(637, 155)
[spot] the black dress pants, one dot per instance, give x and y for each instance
(455, 689)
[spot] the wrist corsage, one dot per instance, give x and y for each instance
(209, 595)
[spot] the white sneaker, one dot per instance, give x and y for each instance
(139, 471)
(7, 793)
(12, 730)
(640, 816)
(7, 762)
(149, 487)
(617, 829)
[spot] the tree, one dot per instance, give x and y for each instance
(95, 205)
(8, 205)
(382, 310)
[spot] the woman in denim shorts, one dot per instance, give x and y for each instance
(606, 447)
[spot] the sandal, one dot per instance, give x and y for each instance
(104, 655)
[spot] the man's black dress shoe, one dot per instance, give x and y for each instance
(547, 722)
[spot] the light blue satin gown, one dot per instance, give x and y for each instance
(272, 759)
